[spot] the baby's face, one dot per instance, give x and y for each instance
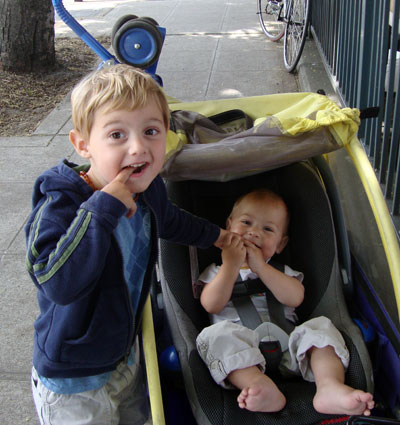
(127, 139)
(263, 224)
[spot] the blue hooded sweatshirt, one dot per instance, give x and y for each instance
(86, 324)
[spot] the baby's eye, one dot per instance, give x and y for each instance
(268, 229)
(151, 132)
(246, 222)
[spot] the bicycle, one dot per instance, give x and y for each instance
(288, 18)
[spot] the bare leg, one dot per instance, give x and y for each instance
(259, 393)
(333, 396)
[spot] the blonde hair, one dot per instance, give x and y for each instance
(262, 195)
(118, 87)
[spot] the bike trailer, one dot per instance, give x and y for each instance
(271, 154)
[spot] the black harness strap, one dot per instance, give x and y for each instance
(248, 314)
(242, 290)
(277, 313)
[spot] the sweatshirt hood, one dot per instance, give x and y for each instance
(63, 177)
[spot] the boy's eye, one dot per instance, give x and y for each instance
(116, 135)
(151, 132)
(246, 222)
(268, 229)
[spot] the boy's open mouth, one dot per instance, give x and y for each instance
(137, 168)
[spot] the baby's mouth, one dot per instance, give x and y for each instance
(252, 241)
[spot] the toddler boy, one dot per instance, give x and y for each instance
(91, 247)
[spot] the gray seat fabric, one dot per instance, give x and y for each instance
(311, 249)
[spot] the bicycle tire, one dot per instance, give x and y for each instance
(271, 23)
(298, 19)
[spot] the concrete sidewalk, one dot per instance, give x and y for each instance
(213, 49)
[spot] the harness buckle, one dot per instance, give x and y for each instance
(272, 352)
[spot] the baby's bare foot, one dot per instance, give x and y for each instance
(340, 398)
(262, 396)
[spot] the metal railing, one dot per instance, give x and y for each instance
(359, 42)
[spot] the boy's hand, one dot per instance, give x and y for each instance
(254, 257)
(223, 235)
(119, 190)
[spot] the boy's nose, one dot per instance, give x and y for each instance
(136, 146)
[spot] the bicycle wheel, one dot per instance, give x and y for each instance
(271, 14)
(298, 19)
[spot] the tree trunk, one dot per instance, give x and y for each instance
(26, 35)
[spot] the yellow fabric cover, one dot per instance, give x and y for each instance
(294, 113)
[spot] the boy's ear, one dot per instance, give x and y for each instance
(282, 244)
(79, 143)
(228, 223)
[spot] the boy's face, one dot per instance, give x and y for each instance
(122, 139)
(263, 224)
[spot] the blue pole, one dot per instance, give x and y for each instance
(103, 53)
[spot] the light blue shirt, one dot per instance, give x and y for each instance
(133, 236)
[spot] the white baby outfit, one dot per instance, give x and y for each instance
(227, 345)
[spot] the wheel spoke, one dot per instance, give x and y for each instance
(271, 13)
(295, 32)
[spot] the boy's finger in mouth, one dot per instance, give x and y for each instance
(137, 168)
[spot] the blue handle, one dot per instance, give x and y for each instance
(69, 20)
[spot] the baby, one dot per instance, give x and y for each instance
(316, 349)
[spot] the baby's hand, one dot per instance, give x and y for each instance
(234, 251)
(119, 190)
(254, 256)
